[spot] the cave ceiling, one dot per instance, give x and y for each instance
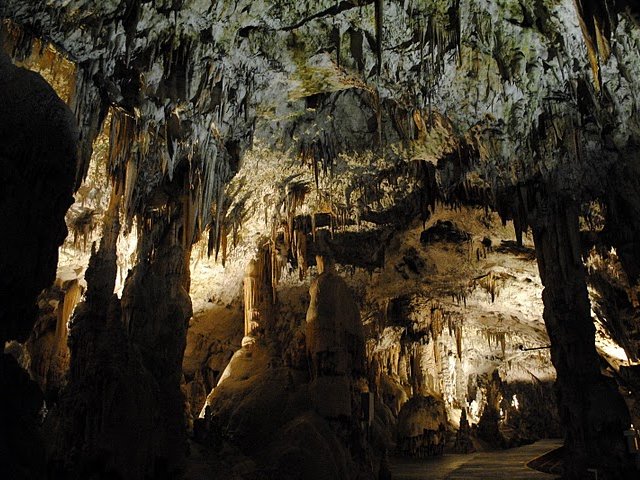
(348, 98)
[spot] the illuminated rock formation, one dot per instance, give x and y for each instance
(422, 425)
(456, 159)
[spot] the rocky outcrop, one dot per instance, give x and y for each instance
(489, 424)
(334, 335)
(38, 139)
(22, 448)
(463, 442)
(122, 411)
(156, 309)
(312, 389)
(102, 422)
(335, 344)
(47, 344)
(422, 427)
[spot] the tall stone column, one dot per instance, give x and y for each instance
(592, 411)
(257, 297)
(335, 341)
(156, 309)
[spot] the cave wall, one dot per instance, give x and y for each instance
(38, 154)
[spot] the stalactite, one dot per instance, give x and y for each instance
(439, 317)
(90, 111)
(296, 193)
(313, 227)
(82, 226)
(320, 153)
(72, 295)
(495, 338)
(276, 269)
(300, 241)
(424, 173)
(458, 334)
(223, 243)
(490, 284)
(121, 164)
(19, 42)
(379, 18)
(131, 177)
(596, 24)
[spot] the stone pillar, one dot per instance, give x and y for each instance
(592, 411)
(156, 309)
(257, 297)
(335, 342)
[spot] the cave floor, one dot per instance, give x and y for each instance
(505, 464)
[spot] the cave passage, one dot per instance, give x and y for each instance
(319, 240)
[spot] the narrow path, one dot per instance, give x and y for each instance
(498, 465)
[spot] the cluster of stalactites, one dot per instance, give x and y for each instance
(37, 54)
(320, 154)
(597, 23)
(495, 338)
(150, 144)
(143, 164)
(491, 284)
(289, 242)
(439, 318)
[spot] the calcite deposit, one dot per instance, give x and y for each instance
(278, 239)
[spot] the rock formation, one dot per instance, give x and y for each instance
(590, 405)
(317, 433)
(37, 155)
(422, 427)
(463, 443)
(286, 205)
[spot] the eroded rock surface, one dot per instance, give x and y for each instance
(38, 160)
(273, 126)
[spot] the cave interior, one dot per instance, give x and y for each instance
(277, 239)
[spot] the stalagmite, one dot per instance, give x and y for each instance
(251, 299)
(458, 334)
(422, 427)
(257, 297)
(463, 443)
(301, 252)
(335, 342)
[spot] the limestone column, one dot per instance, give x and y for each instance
(251, 297)
(592, 411)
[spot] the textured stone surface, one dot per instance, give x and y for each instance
(37, 158)
(269, 123)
